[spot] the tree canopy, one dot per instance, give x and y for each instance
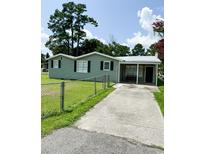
(43, 59)
(67, 26)
(117, 49)
(158, 27)
(138, 50)
(47, 55)
(91, 45)
(112, 49)
(151, 50)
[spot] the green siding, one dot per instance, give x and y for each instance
(67, 68)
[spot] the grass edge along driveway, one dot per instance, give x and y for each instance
(66, 119)
(159, 96)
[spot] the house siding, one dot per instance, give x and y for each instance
(67, 68)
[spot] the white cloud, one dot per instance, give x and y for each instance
(89, 35)
(125, 44)
(44, 39)
(145, 40)
(146, 18)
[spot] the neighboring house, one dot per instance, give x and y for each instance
(133, 69)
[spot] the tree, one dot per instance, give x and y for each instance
(151, 50)
(81, 21)
(138, 50)
(67, 26)
(112, 49)
(47, 55)
(91, 45)
(158, 27)
(43, 59)
(159, 46)
(59, 42)
(69, 10)
(116, 49)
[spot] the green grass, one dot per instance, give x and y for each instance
(45, 79)
(76, 92)
(159, 96)
(66, 119)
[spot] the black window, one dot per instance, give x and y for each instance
(101, 65)
(111, 65)
(75, 66)
(51, 63)
(88, 66)
(59, 63)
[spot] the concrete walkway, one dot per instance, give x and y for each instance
(130, 112)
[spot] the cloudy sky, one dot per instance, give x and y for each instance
(127, 21)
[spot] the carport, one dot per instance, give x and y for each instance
(139, 69)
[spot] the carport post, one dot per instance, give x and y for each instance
(156, 73)
(137, 73)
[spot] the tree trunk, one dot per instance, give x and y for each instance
(72, 39)
(78, 40)
(68, 46)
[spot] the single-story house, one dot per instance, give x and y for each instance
(132, 69)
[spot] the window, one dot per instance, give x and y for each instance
(106, 65)
(55, 63)
(82, 66)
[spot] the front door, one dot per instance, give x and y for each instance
(149, 75)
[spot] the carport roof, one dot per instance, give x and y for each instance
(139, 59)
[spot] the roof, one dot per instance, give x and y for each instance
(101, 54)
(140, 59)
(85, 55)
(124, 59)
(61, 54)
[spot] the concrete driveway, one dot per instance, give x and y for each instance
(130, 112)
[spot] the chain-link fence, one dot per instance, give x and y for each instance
(65, 96)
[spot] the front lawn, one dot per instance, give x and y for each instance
(76, 92)
(79, 97)
(159, 96)
(66, 119)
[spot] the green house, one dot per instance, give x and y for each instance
(126, 69)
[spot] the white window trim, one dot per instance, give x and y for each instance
(55, 66)
(77, 66)
(104, 66)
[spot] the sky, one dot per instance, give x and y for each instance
(126, 21)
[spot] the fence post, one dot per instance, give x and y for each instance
(108, 81)
(95, 86)
(62, 86)
(104, 82)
